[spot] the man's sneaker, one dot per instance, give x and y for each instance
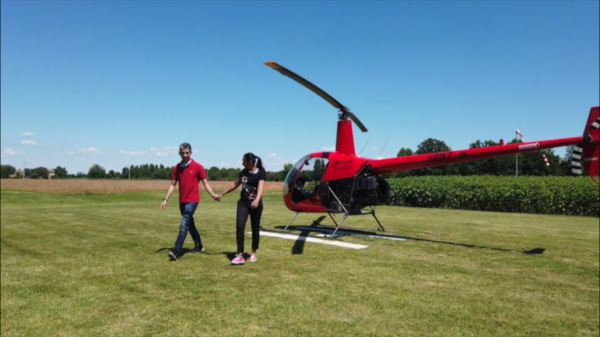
(174, 256)
(197, 249)
(238, 260)
(253, 258)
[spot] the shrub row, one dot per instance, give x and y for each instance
(541, 195)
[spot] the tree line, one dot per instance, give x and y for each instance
(530, 164)
(138, 172)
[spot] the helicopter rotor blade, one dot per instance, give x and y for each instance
(307, 84)
(357, 122)
(344, 110)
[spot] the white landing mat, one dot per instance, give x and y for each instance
(314, 240)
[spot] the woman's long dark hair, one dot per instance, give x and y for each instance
(254, 159)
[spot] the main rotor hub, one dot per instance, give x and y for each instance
(344, 113)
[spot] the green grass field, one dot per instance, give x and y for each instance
(98, 266)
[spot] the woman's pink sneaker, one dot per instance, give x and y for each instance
(238, 260)
(253, 258)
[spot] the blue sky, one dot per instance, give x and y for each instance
(121, 83)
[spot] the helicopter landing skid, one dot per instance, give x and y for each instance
(294, 218)
(337, 226)
(372, 212)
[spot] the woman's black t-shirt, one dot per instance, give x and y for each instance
(250, 184)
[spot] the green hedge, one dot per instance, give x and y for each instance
(541, 195)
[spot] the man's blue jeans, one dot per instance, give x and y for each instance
(187, 224)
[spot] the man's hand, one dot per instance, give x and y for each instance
(218, 197)
(163, 205)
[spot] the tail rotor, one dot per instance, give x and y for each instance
(585, 154)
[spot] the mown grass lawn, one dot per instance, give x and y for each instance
(98, 266)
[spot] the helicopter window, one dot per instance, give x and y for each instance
(309, 179)
(313, 171)
(291, 176)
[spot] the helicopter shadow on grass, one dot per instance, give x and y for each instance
(535, 251)
(305, 231)
(314, 227)
(298, 247)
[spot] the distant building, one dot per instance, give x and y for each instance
(19, 174)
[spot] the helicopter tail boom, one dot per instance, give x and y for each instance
(585, 152)
(408, 163)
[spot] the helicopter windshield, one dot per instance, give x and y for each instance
(291, 176)
(309, 176)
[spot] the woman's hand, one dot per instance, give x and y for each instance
(255, 203)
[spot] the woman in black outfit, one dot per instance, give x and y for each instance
(252, 178)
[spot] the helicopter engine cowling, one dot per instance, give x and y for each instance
(354, 194)
(371, 190)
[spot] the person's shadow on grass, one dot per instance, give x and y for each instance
(184, 251)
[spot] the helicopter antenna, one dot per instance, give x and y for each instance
(363, 147)
(384, 144)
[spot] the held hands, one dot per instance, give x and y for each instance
(254, 204)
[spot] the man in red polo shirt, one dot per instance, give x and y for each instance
(188, 173)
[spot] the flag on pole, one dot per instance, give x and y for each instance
(521, 136)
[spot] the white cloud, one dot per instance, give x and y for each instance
(27, 134)
(90, 150)
(28, 142)
(165, 151)
(328, 149)
(272, 155)
(71, 152)
(9, 152)
(374, 149)
(132, 153)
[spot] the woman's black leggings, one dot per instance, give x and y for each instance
(243, 210)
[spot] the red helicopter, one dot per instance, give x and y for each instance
(342, 182)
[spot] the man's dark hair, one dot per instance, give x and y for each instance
(185, 146)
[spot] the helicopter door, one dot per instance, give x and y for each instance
(308, 179)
